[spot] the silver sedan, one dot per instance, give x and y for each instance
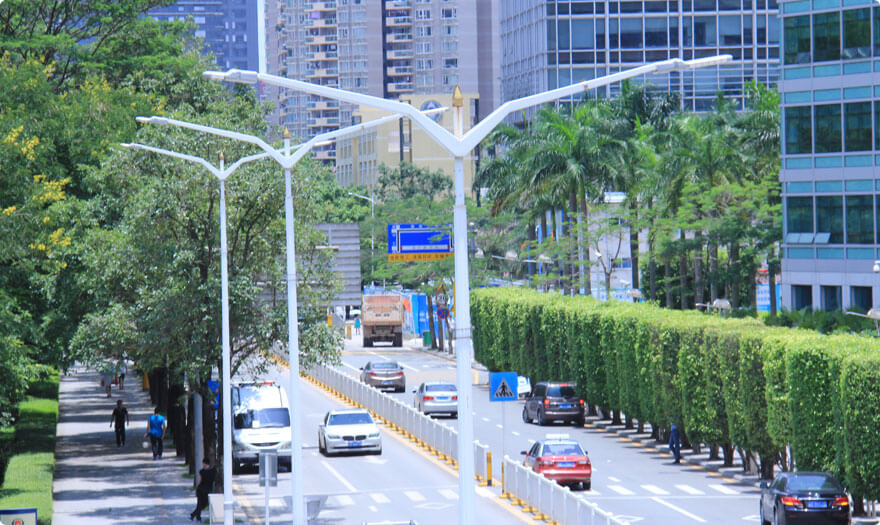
(437, 397)
(349, 431)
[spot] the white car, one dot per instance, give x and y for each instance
(261, 422)
(349, 431)
(523, 386)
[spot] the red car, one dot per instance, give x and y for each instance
(560, 459)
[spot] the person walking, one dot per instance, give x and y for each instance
(205, 486)
(121, 369)
(120, 418)
(675, 442)
(156, 430)
(357, 325)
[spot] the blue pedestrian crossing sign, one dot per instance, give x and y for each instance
(502, 386)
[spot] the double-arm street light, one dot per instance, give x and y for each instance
(221, 173)
(460, 144)
(287, 159)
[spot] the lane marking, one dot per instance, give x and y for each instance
(344, 500)
(612, 478)
(339, 476)
(413, 495)
(515, 433)
(373, 508)
(402, 364)
(679, 509)
(356, 369)
(724, 490)
(448, 493)
(654, 489)
(499, 426)
(486, 419)
(690, 490)
(378, 497)
(623, 491)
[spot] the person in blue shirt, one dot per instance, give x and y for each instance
(156, 430)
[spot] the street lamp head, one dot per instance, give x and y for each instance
(242, 77)
(128, 145)
(214, 75)
(876, 267)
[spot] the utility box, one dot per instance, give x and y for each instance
(382, 319)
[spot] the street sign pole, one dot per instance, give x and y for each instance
(502, 387)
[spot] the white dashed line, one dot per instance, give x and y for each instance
(344, 500)
(413, 495)
(723, 489)
(515, 433)
(339, 476)
(448, 493)
(679, 509)
(378, 497)
(654, 489)
(690, 490)
(623, 491)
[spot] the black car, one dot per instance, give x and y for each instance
(804, 497)
(550, 402)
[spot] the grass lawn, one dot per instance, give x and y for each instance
(28, 479)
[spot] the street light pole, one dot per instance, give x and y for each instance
(372, 201)
(459, 145)
(222, 173)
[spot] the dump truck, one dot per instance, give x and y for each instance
(382, 319)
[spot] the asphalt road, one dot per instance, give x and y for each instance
(401, 484)
(635, 483)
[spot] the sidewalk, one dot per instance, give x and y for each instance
(98, 483)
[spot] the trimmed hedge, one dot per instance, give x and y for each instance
(725, 382)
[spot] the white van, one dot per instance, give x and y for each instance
(261, 422)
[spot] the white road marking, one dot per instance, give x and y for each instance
(356, 369)
(344, 500)
(486, 419)
(404, 365)
(378, 497)
(623, 491)
(448, 493)
(486, 493)
(499, 426)
(532, 441)
(373, 508)
(413, 495)
(679, 509)
(654, 489)
(690, 490)
(723, 489)
(515, 433)
(611, 478)
(339, 476)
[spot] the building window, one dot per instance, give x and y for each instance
(877, 125)
(856, 33)
(799, 214)
(450, 63)
(447, 12)
(563, 30)
(797, 39)
(830, 298)
(826, 36)
(798, 130)
(876, 21)
(877, 199)
(829, 217)
(582, 34)
(857, 130)
(802, 296)
(631, 33)
(827, 119)
(859, 219)
(730, 31)
(860, 296)
(704, 31)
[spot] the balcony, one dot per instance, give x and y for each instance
(393, 38)
(321, 39)
(397, 71)
(320, 22)
(323, 72)
(318, 56)
(321, 122)
(328, 154)
(318, 105)
(397, 21)
(400, 87)
(394, 54)
(321, 6)
(398, 4)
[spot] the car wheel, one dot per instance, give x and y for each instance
(586, 485)
(526, 416)
(578, 422)
(321, 448)
(368, 343)
(236, 467)
(541, 420)
(378, 452)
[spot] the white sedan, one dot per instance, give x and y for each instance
(349, 431)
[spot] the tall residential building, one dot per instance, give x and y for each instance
(546, 44)
(830, 88)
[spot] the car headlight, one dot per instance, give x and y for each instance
(374, 435)
(331, 436)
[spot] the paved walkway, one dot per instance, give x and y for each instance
(97, 483)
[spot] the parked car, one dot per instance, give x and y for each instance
(561, 459)
(550, 402)
(349, 431)
(384, 374)
(804, 497)
(523, 386)
(436, 397)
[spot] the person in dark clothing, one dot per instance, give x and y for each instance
(675, 442)
(119, 417)
(156, 431)
(205, 486)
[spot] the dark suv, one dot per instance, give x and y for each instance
(550, 402)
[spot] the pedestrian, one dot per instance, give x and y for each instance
(120, 418)
(156, 430)
(122, 369)
(357, 325)
(205, 486)
(675, 442)
(106, 381)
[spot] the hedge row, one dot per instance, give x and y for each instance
(727, 382)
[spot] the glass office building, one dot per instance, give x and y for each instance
(547, 44)
(830, 88)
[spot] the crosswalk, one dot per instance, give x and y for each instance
(674, 490)
(437, 495)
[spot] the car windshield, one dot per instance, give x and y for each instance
(440, 388)
(560, 391)
(810, 482)
(355, 418)
(389, 365)
(263, 418)
(563, 449)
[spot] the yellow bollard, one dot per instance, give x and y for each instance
(488, 468)
(504, 493)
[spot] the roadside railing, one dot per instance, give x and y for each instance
(425, 432)
(547, 500)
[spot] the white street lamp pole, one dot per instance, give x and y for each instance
(372, 202)
(222, 173)
(460, 145)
